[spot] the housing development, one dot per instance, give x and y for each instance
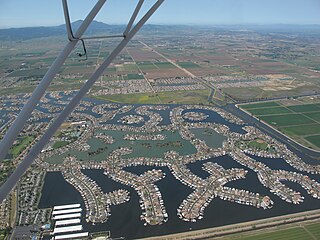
(183, 136)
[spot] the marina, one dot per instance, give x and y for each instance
(77, 205)
(72, 236)
(218, 212)
(165, 169)
(65, 211)
(67, 222)
(74, 228)
(65, 225)
(211, 141)
(66, 216)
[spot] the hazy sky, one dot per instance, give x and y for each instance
(17, 13)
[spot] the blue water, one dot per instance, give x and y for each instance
(125, 219)
(216, 118)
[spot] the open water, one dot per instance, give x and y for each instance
(125, 218)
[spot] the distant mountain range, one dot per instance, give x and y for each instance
(94, 28)
(100, 28)
(36, 32)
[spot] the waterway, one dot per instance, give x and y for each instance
(125, 218)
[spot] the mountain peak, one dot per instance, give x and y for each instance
(94, 28)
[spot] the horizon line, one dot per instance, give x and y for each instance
(175, 24)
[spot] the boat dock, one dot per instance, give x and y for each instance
(67, 222)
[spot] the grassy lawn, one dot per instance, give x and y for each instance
(23, 143)
(185, 97)
(245, 93)
(258, 144)
(139, 98)
(59, 144)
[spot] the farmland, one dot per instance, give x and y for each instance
(298, 118)
(292, 234)
(305, 232)
(222, 67)
(241, 74)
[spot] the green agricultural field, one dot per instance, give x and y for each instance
(305, 108)
(302, 130)
(315, 140)
(260, 105)
(314, 115)
(268, 111)
(188, 65)
(147, 66)
(297, 233)
(314, 229)
(300, 122)
(134, 76)
(16, 90)
(287, 120)
(130, 67)
(111, 70)
(164, 65)
(29, 73)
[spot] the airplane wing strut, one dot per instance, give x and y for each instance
(26, 111)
